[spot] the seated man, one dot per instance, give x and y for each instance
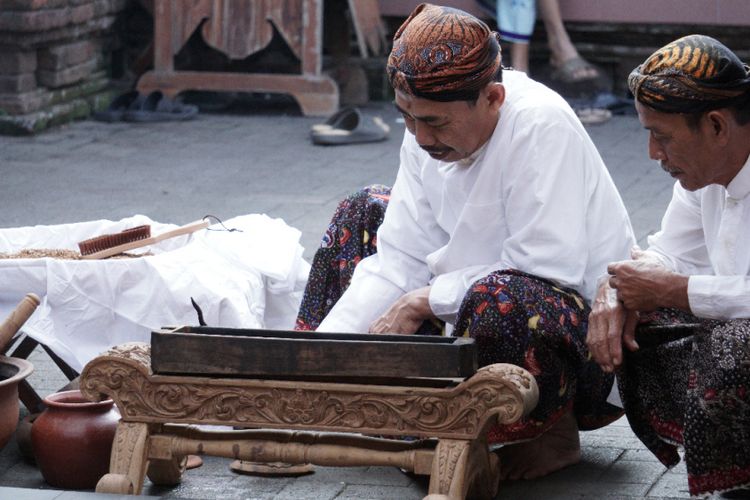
(501, 219)
(693, 96)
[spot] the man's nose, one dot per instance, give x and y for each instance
(423, 135)
(655, 152)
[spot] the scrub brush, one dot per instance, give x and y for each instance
(105, 241)
(108, 245)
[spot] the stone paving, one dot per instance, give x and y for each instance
(262, 161)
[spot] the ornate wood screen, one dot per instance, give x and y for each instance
(239, 28)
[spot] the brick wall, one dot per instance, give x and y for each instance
(53, 56)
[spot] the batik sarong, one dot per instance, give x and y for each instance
(694, 392)
(350, 237)
(515, 318)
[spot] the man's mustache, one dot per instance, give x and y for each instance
(435, 150)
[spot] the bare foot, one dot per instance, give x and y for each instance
(553, 450)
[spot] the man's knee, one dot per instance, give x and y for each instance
(374, 193)
(510, 298)
(498, 294)
(504, 286)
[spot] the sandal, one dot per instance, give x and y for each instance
(570, 71)
(605, 100)
(349, 127)
(157, 107)
(119, 105)
(334, 121)
(593, 116)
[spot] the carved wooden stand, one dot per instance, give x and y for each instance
(239, 29)
(153, 438)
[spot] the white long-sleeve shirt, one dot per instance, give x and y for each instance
(706, 234)
(536, 197)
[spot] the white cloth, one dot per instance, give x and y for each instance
(248, 279)
(706, 234)
(537, 198)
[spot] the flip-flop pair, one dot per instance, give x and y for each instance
(155, 107)
(349, 126)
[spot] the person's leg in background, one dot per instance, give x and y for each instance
(564, 58)
(515, 21)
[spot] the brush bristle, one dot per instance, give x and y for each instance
(105, 241)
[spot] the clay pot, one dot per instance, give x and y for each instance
(12, 371)
(72, 440)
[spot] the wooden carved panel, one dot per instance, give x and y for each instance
(186, 16)
(503, 392)
(239, 28)
(368, 26)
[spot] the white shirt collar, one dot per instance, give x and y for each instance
(469, 160)
(739, 187)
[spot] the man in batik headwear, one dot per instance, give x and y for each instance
(693, 97)
(501, 220)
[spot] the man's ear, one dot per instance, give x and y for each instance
(495, 94)
(719, 122)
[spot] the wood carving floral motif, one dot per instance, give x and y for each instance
(450, 453)
(500, 391)
(458, 416)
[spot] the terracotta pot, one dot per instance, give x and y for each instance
(72, 440)
(12, 371)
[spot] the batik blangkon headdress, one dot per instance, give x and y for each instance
(443, 54)
(693, 74)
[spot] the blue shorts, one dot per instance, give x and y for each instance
(515, 18)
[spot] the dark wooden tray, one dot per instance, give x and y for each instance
(360, 358)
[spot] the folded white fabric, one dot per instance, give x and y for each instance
(252, 278)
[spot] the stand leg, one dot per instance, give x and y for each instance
(448, 466)
(127, 465)
(318, 103)
(167, 472)
(463, 469)
(482, 471)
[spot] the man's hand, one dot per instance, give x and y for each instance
(406, 315)
(641, 284)
(610, 326)
(644, 285)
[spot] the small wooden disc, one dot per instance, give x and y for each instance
(193, 462)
